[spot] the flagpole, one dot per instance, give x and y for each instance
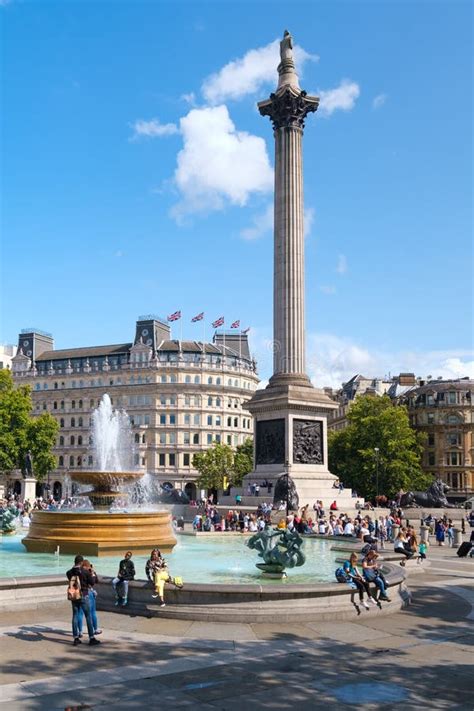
(181, 332)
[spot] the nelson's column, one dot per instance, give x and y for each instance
(290, 428)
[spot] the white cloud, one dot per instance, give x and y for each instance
(342, 97)
(341, 264)
(379, 101)
(309, 215)
(249, 73)
(329, 290)
(333, 360)
(261, 224)
(153, 128)
(189, 98)
(217, 163)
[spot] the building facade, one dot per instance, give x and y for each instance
(181, 396)
(443, 410)
(345, 396)
(7, 354)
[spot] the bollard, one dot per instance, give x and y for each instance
(424, 534)
(457, 539)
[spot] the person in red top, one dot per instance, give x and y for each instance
(333, 506)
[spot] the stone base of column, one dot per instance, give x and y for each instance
(28, 489)
(290, 434)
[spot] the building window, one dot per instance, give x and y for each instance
(61, 422)
(218, 421)
(209, 420)
(452, 398)
(218, 438)
(61, 461)
(172, 419)
(187, 379)
(197, 379)
(161, 459)
(209, 380)
(79, 461)
(186, 460)
(162, 399)
(430, 418)
(229, 422)
(73, 404)
(172, 460)
(431, 439)
(218, 402)
(80, 404)
(454, 439)
(162, 438)
(80, 422)
(71, 461)
(72, 441)
(162, 419)
(229, 439)
(79, 441)
(90, 460)
(172, 437)
(431, 459)
(163, 378)
(453, 459)
(236, 421)
(186, 438)
(453, 420)
(209, 401)
(209, 438)
(218, 381)
(172, 399)
(137, 439)
(196, 438)
(197, 419)
(187, 400)
(429, 400)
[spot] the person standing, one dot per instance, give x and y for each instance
(126, 572)
(87, 565)
(80, 582)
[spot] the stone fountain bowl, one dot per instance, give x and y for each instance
(104, 480)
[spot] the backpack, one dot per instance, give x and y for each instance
(341, 575)
(74, 588)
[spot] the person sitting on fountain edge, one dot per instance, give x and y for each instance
(157, 572)
(125, 573)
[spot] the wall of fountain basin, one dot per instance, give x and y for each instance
(278, 603)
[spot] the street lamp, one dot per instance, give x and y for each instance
(376, 450)
(287, 474)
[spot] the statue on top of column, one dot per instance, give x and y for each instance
(286, 46)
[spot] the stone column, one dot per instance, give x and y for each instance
(287, 109)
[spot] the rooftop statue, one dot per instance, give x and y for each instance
(286, 46)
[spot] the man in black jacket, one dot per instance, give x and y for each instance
(85, 581)
(126, 572)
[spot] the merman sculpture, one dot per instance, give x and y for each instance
(284, 552)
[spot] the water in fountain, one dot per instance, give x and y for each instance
(112, 438)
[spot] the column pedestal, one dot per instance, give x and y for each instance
(28, 489)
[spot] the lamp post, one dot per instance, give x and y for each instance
(376, 450)
(287, 474)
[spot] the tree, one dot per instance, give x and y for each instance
(214, 465)
(19, 432)
(243, 461)
(376, 422)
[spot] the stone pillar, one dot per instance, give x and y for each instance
(457, 538)
(28, 489)
(424, 534)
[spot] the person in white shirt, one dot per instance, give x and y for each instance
(322, 528)
(349, 528)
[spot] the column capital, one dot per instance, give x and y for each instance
(288, 108)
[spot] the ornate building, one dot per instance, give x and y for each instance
(180, 395)
(443, 409)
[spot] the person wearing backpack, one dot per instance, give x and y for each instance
(80, 581)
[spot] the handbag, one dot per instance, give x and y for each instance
(74, 589)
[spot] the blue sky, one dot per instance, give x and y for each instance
(137, 174)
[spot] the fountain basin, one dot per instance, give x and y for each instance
(99, 533)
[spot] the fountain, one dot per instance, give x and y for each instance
(106, 529)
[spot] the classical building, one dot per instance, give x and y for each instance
(180, 395)
(345, 396)
(443, 410)
(7, 353)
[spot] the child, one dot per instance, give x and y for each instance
(422, 548)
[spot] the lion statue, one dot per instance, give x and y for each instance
(285, 491)
(434, 497)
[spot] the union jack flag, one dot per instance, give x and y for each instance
(236, 324)
(219, 322)
(175, 317)
(199, 317)
(246, 330)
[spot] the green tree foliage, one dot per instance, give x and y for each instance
(376, 422)
(214, 465)
(243, 461)
(19, 432)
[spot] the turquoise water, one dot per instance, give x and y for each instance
(224, 559)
